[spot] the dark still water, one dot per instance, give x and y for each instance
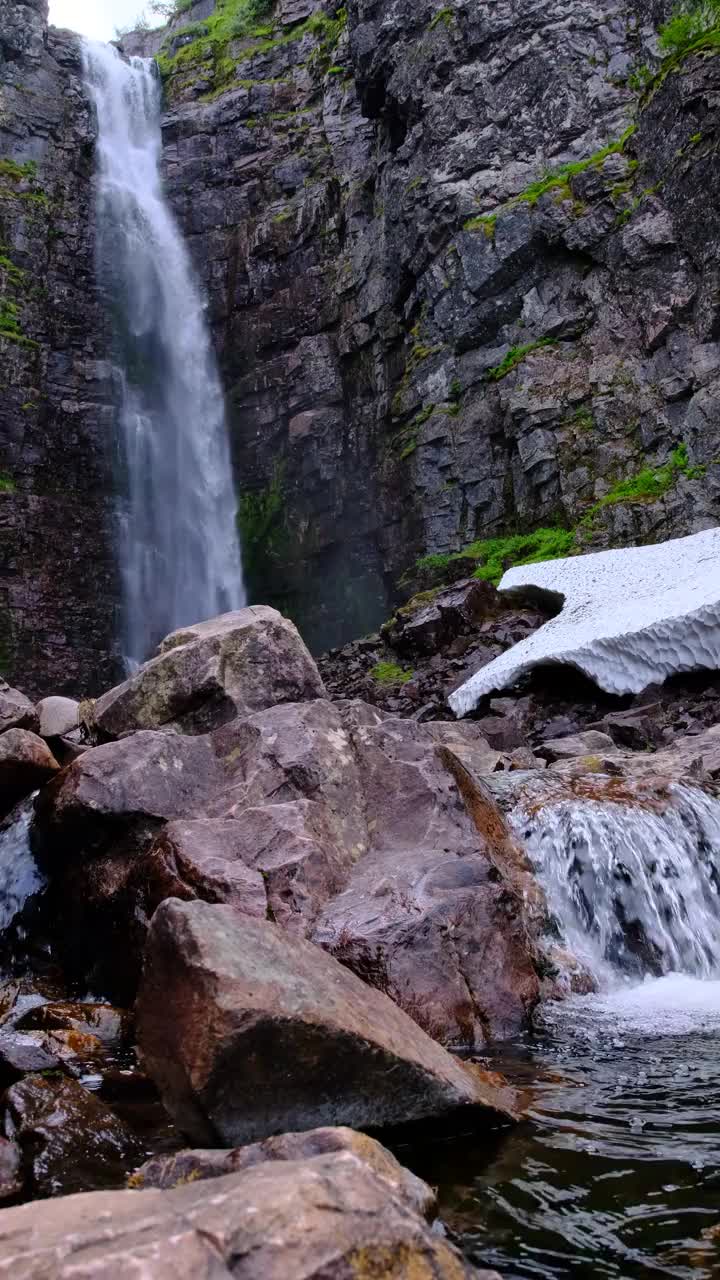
(617, 1173)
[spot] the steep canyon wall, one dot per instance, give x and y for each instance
(429, 330)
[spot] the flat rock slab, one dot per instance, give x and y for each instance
(331, 1216)
(630, 618)
(248, 1032)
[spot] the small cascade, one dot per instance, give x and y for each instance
(178, 546)
(20, 876)
(634, 891)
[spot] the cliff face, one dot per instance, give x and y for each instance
(57, 589)
(425, 338)
(461, 264)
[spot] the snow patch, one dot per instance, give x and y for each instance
(630, 618)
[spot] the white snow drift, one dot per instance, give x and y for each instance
(630, 618)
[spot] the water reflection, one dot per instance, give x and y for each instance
(617, 1172)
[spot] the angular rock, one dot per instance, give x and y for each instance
(107, 1024)
(201, 858)
(165, 1172)
(208, 674)
(237, 1023)
(16, 711)
(590, 743)
(630, 618)
(26, 763)
(58, 716)
(331, 1216)
(23, 1053)
(70, 1141)
(427, 628)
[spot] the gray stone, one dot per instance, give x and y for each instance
(58, 716)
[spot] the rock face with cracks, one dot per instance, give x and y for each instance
(249, 1033)
(332, 1216)
(629, 618)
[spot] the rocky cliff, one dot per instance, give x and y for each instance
(57, 587)
(461, 272)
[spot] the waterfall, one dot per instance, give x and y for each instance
(178, 545)
(634, 891)
(20, 877)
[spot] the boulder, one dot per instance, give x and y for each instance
(26, 763)
(22, 1053)
(58, 716)
(590, 743)
(208, 674)
(425, 626)
(237, 1023)
(70, 1141)
(329, 1216)
(629, 618)
(435, 914)
(165, 1172)
(16, 711)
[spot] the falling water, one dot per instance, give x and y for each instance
(20, 876)
(179, 552)
(634, 891)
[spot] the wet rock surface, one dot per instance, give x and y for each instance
(224, 997)
(332, 1216)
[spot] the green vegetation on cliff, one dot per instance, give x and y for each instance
(691, 26)
(515, 356)
(494, 555)
(390, 673)
(648, 484)
(261, 525)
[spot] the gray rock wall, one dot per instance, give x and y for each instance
(57, 588)
(325, 194)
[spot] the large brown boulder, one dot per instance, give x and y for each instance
(327, 1217)
(208, 674)
(248, 1032)
(26, 762)
(16, 711)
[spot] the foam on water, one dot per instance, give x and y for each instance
(178, 546)
(633, 891)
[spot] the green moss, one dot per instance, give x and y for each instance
(15, 172)
(583, 420)
(446, 15)
(211, 48)
(557, 180)
(648, 484)
(261, 524)
(495, 555)
(390, 673)
(409, 449)
(7, 484)
(10, 324)
(689, 24)
(515, 356)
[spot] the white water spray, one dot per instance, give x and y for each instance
(179, 551)
(20, 876)
(634, 892)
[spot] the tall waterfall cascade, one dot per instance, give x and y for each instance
(634, 891)
(179, 552)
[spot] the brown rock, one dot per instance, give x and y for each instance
(165, 1172)
(331, 1217)
(16, 711)
(425, 627)
(590, 743)
(237, 1023)
(69, 1140)
(26, 763)
(106, 1023)
(208, 674)
(433, 913)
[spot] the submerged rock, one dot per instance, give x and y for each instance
(11, 1171)
(210, 673)
(68, 1138)
(248, 1033)
(321, 1217)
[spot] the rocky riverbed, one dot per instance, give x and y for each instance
(291, 892)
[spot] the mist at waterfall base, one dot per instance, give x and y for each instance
(178, 546)
(617, 1172)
